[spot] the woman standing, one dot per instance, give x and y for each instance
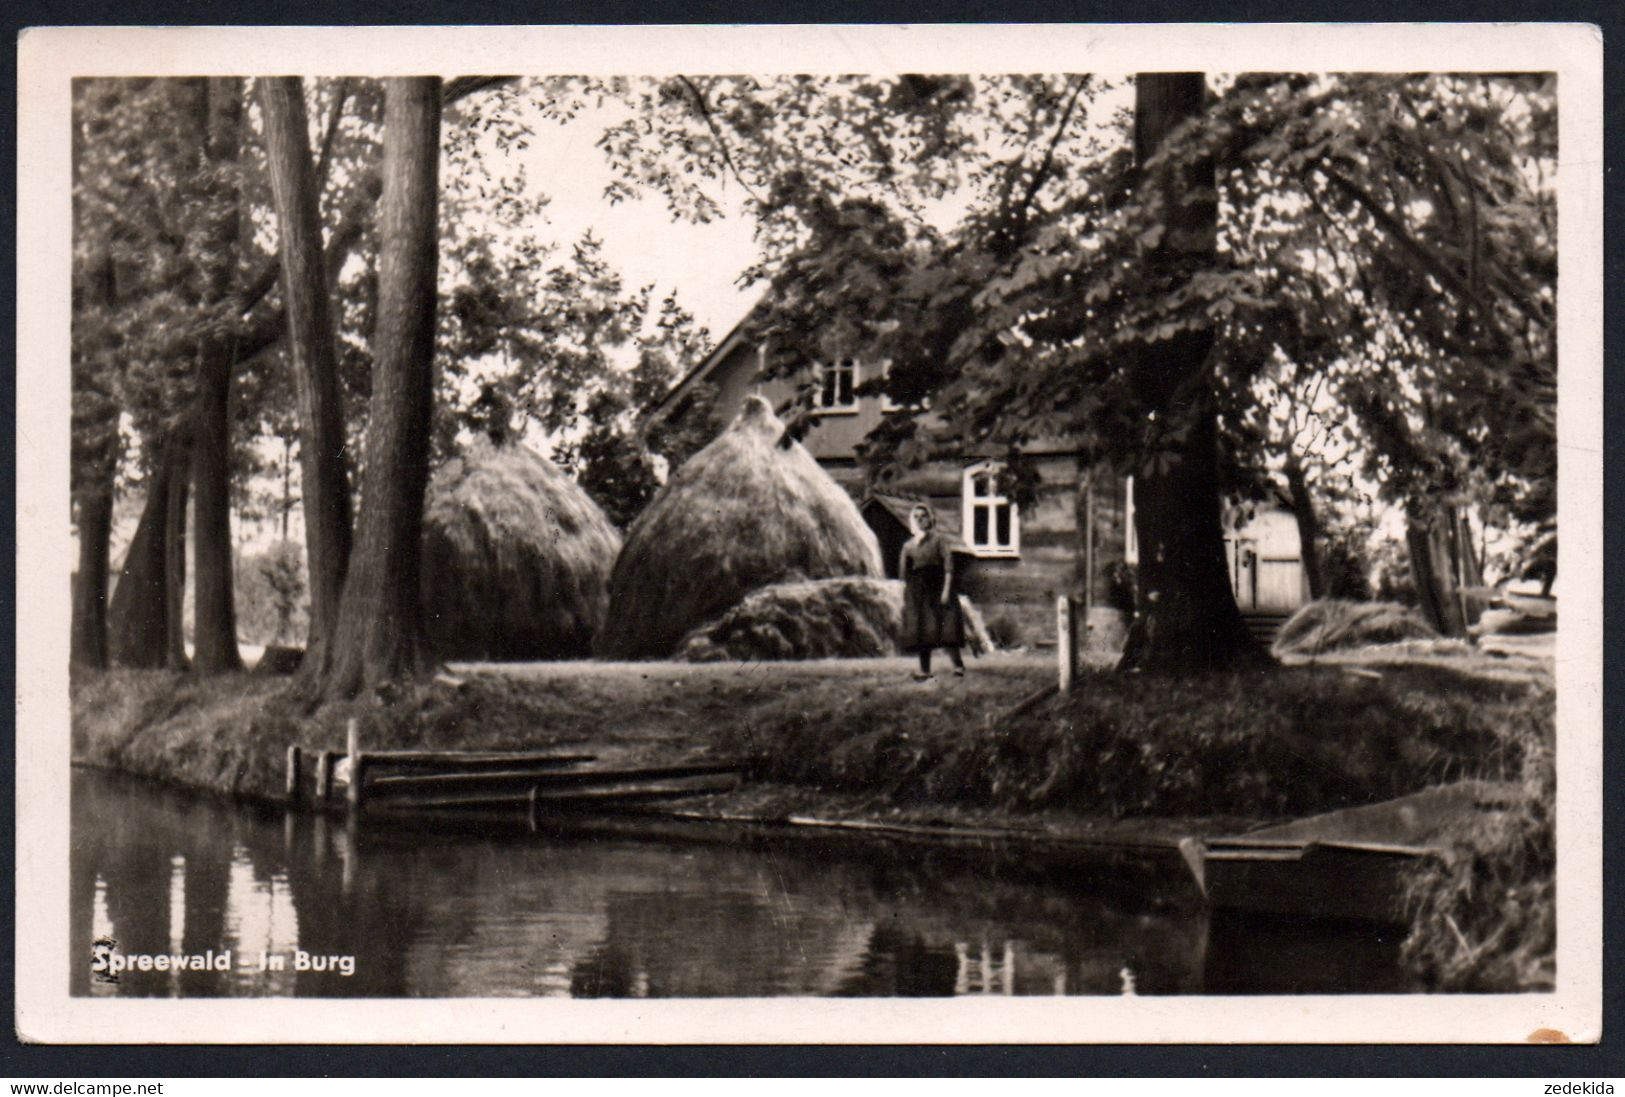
(931, 617)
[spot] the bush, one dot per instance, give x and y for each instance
(1122, 588)
(273, 605)
(1006, 632)
(1391, 565)
(1345, 565)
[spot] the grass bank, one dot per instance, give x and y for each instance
(1298, 740)
(230, 734)
(1295, 741)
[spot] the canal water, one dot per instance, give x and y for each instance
(261, 902)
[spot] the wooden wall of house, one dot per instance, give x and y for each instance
(1019, 590)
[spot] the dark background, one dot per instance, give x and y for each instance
(1553, 1063)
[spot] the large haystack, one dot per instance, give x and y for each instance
(1332, 625)
(744, 512)
(516, 558)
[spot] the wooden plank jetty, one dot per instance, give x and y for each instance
(540, 777)
(471, 759)
(561, 800)
(532, 782)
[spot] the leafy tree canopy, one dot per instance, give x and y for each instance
(988, 237)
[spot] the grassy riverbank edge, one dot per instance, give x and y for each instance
(1122, 760)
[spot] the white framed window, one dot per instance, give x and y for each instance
(837, 387)
(992, 521)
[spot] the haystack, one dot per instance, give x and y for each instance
(516, 558)
(1333, 625)
(819, 619)
(748, 510)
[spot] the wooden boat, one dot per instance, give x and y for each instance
(1347, 865)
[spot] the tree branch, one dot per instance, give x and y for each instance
(1391, 225)
(461, 87)
(325, 157)
(716, 134)
(1041, 176)
(262, 283)
(259, 335)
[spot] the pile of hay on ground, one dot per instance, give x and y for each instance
(516, 559)
(819, 619)
(748, 510)
(1333, 625)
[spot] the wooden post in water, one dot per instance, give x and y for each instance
(352, 739)
(352, 853)
(324, 776)
(293, 774)
(1066, 641)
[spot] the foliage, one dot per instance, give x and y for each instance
(1122, 586)
(687, 426)
(148, 201)
(1388, 238)
(1392, 579)
(561, 348)
(1007, 631)
(1345, 563)
(273, 604)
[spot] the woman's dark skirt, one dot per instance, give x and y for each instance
(927, 623)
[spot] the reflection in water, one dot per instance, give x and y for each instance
(431, 914)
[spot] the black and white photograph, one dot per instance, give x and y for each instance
(884, 516)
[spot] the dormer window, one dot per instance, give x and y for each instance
(992, 520)
(837, 387)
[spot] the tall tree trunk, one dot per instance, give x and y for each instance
(138, 616)
(94, 495)
(1303, 505)
(326, 488)
(1429, 534)
(88, 641)
(1187, 620)
(379, 632)
(214, 615)
(175, 560)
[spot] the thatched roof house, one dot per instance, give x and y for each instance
(516, 558)
(751, 508)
